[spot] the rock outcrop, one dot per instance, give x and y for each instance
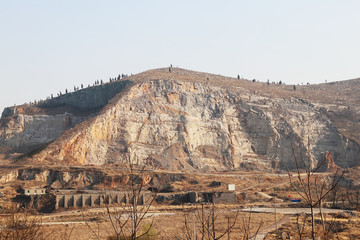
(27, 132)
(25, 128)
(183, 120)
(327, 164)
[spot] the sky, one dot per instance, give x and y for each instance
(48, 46)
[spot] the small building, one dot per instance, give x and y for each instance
(231, 187)
(34, 191)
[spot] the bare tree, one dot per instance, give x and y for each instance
(20, 225)
(127, 220)
(246, 227)
(203, 224)
(311, 188)
(300, 225)
(62, 233)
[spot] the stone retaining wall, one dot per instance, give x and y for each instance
(99, 199)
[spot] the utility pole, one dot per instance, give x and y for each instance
(194, 225)
(275, 212)
(228, 227)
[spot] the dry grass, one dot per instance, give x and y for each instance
(337, 228)
(169, 225)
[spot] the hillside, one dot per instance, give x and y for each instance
(186, 120)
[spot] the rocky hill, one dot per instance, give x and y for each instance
(184, 120)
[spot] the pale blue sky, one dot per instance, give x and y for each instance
(47, 46)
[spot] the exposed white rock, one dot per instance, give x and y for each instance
(185, 125)
(27, 131)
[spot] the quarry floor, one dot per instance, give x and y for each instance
(169, 221)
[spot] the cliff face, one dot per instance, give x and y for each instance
(25, 128)
(178, 123)
(87, 99)
(184, 125)
(25, 133)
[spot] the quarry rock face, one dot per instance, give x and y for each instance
(187, 125)
(24, 132)
(88, 98)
